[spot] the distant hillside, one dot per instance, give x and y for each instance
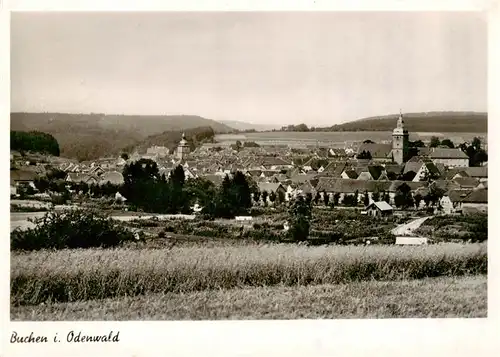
(89, 136)
(242, 126)
(462, 122)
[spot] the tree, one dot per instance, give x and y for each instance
(309, 198)
(416, 144)
(476, 143)
(299, 219)
(386, 197)
(326, 198)
(124, 156)
(356, 197)
(177, 177)
(336, 199)
(408, 176)
(272, 197)
(434, 195)
(448, 142)
(316, 198)
(264, 197)
(403, 196)
(417, 199)
(376, 196)
(479, 157)
(364, 155)
(368, 141)
(256, 196)
(349, 200)
(281, 197)
(366, 199)
(435, 142)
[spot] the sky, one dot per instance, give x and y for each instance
(267, 68)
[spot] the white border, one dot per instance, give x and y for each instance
(440, 337)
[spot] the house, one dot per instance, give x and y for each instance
(422, 168)
(451, 201)
(20, 178)
(480, 172)
(344, 187)
(393, 170)
(476, 201)
(449, 157)
(466, 182)
(465, 201)
(379, 209)
(275, 163)
(378, 152)
(272, 187)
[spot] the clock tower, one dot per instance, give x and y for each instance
(400, 141)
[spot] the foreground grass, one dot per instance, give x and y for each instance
(434, 297)
(79, 275)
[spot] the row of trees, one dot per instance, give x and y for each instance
(146, 189)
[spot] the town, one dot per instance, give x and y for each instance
(380, 179)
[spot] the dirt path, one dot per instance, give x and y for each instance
(409, 227)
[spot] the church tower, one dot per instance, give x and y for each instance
(400, 141)
(183, 148)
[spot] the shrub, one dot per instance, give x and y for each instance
(70, 229)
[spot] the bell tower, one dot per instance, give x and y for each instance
(183, 148)
(400, 141)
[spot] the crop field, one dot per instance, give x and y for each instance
(88, 274)
(329, 138)
(432, 297)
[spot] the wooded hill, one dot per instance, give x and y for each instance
(461, 122)
(89, 136)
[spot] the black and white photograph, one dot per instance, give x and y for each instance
(185, 166)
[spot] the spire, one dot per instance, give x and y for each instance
(400, 119)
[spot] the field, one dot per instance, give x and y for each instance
(338, 138)
(432, 297)
(82, 275)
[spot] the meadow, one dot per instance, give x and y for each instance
(431, 297)
(80, 275)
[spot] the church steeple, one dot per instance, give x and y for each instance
(400, 141)
(183, 148)
(400, 123)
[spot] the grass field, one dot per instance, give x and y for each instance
(433, 297)
(80, 275)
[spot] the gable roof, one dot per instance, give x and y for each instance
(480, 171)
(397, 169)
(381, 205)
(376, 150)
(467, 182)
(268, 186)
(352, 174)
(328, 184)
(412, 165)
(442, 153)
(22, 175)
(477, 196)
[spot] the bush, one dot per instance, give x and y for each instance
(70, 229)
